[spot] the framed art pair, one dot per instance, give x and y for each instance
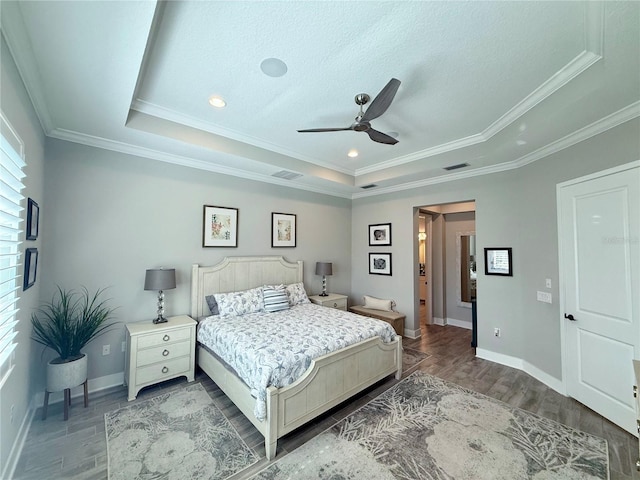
(380, 235)
(220, 228)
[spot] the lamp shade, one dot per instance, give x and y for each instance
(160, 279)
(324, 268)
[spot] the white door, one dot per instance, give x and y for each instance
(600, 264)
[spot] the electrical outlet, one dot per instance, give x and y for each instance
(544, 297)
(124, 346)
(106, 349)
(496, 332)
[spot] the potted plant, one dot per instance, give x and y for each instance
(66, 324)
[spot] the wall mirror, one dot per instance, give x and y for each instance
(466, 268)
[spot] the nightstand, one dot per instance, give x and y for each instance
(158, 352)
(332, 300)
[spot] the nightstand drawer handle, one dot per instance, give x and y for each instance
(335, 304)
(165, 369)
(165, 353)
(166, 338)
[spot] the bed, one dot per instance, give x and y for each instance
(329, 380)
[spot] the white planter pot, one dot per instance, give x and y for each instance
(61, 376)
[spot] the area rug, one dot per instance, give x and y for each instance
(426, 428)
(410, 358)
(177, 435)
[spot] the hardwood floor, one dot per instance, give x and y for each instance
(76, 449)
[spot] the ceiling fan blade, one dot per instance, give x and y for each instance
(380, 137)
(324, 130)
(382, 101)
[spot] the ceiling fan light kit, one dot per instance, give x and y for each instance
(378, 106)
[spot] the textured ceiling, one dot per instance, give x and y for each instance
(492, 84)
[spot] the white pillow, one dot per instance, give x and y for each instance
(240, 303)
(275, 299)
(377, 303)
(297, 294)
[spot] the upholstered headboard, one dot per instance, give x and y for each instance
(234, 274)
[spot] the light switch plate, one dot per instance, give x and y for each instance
(547, 283)
(544, 297)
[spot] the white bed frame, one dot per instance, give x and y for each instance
(330, 380)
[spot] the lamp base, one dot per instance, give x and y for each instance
(323, 294)
(160, 319)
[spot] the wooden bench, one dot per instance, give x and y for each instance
(395, 319)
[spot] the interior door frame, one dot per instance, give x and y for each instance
(561, 272)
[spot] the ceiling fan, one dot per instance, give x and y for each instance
(378, 106)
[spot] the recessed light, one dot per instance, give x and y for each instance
(273, 67)
(217, 102)
(521, 142)
(353, 153)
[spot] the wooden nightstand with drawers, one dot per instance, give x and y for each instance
(158, 352)
(332, 300)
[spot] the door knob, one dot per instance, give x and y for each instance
(570, 317)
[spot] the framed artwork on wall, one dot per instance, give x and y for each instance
(498, 261)
(33, 219)
(283, 230)
(380, 263)
(220, 227)
(380, 234)
(30, 267)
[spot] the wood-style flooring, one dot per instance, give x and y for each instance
(76, 449)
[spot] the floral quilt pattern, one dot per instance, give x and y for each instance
(275, 349)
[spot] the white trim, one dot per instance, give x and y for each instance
(454, 322)
(439, 321)
(117, 146)
(602, 173)
(526, 367)
(95, 385)
(18, 444)
(413, 334)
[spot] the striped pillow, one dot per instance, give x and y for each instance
(275, 299)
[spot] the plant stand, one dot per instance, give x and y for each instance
(67, 401)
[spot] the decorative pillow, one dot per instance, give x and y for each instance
(297, 294)
(213, 305)
(275, 299)
(377, 303)
(240, 303)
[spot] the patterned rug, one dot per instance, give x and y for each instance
(410, 358)
(426, 428)
(177, 435)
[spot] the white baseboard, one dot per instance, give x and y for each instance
(459, 323)
(16, 449)
(413, 334)
(526, 367)
(439, 321)
(95, 385)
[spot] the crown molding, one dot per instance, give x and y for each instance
(158, 111)
(116, 146)
(14, 33)
(611, 121)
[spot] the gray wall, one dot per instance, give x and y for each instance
(454, 223)
(111, 216)
(515, 208)
(18, 390)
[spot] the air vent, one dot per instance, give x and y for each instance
(366, 187)
(455, 167)
(287, 175)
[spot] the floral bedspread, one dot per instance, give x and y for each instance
(275, 349)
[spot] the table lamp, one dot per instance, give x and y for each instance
(324, 268)
(160, 279)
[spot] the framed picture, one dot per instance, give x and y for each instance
(380, 263)
(30, 267)
(380, 234)
(283, 230)
(497, 261)
(33, 218)
(220, 227)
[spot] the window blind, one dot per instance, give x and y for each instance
(11, 175)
